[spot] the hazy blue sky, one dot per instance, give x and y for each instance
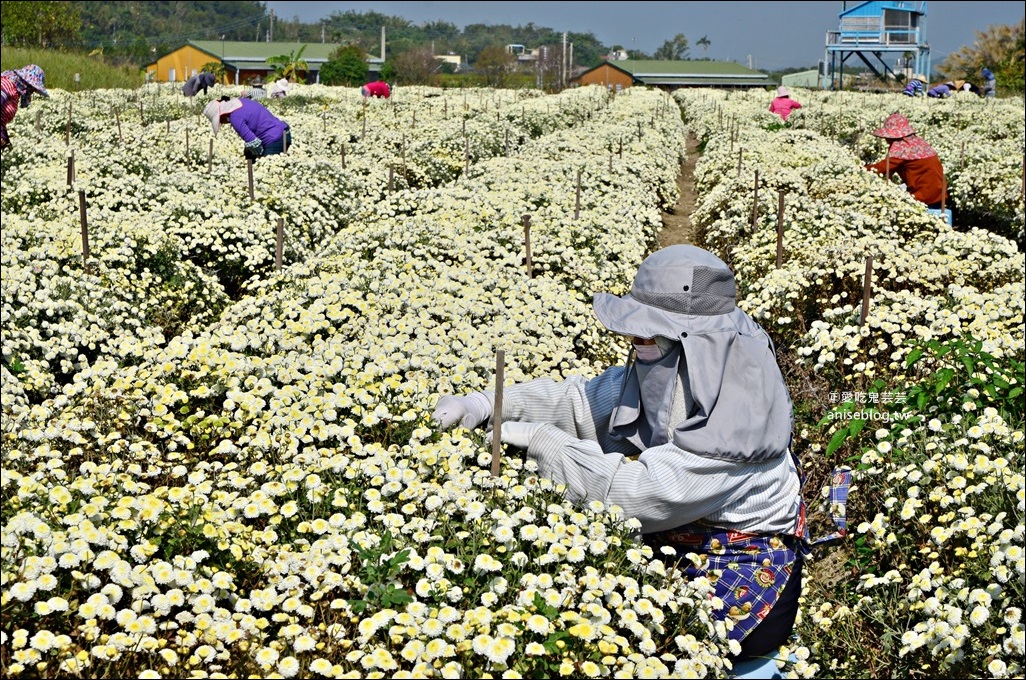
(776, 34)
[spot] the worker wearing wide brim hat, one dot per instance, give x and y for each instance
(690, 437)
(279, 88)
(782, 104)
(200, 82)
(913, 159)
(256, 89)
(261, 131)
(17, 88)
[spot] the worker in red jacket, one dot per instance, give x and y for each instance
(913, 159)
(376, 89)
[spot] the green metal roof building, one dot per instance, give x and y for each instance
(243, 61)
(671, 75)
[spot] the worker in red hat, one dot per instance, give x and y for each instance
(913, 159)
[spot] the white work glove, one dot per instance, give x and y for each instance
(518, 434)
(470, 411)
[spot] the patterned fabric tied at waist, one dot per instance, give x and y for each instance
(747, 571)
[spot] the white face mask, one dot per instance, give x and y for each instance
(648, 353)
(654, 352)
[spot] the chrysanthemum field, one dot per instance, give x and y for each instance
(218, 458)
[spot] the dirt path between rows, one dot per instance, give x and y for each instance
(677, 223)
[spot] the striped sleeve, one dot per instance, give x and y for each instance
(665, 486)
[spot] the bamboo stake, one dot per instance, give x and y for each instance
(249, 171)
(500, 361)
(755, 201)
(577, 209)
(85, 229)
(527, 246)
(780, 228)
(278, 243)
(867, 287)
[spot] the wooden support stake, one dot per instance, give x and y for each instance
(210, 157)
(279, 237)
(867, 287)
(391, 178)
(507, 142)
(755, 201)
(67, 128)
(405, 175)
(740, 153)
(249, 171)
(71, 168)
(39, 115)
(780, 228)
(285, 142)
(85, 229)
(500, 361)
(117, 117)
(186, 143)
(527, 246)
(577, 208)
(343, 155)
(466, 155)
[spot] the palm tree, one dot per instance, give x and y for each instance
(704, 42)
(289, 65)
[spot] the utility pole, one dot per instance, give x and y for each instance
(270, 31)
(322, 32)
(562, 65)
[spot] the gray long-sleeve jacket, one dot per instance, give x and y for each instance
(665, 486)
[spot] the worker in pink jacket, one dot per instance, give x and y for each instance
(782, 104)
(376, 89)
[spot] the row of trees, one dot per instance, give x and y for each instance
(138, 32)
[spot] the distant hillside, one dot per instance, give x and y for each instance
(141, 31)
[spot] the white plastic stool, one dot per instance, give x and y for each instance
(761, 668)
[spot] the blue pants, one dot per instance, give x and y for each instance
(280, 145)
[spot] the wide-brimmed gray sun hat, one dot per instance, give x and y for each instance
(676, 289)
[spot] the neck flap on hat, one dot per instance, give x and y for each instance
(737, 409)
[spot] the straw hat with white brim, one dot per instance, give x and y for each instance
(215, 109)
